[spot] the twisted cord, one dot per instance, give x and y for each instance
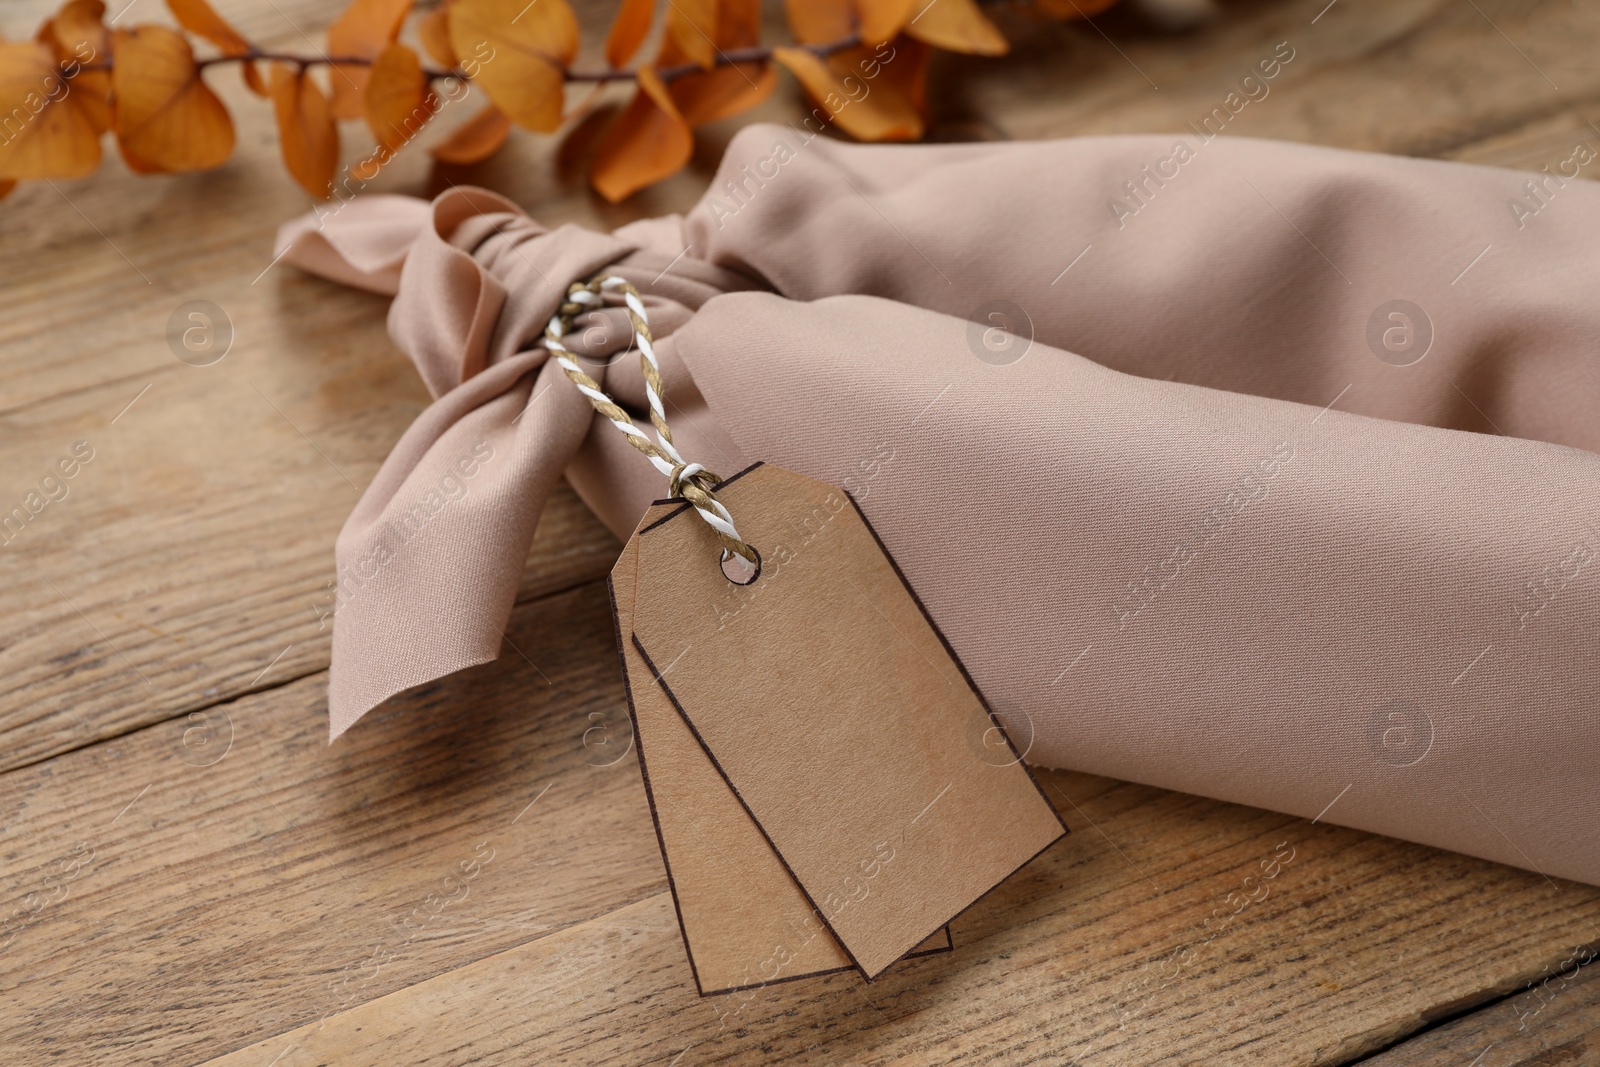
(691, 481)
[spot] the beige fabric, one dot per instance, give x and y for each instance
(1223, 548)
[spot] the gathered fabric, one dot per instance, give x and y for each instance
(1260, 471)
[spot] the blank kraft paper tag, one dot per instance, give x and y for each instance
(835, 712)
(745, 922)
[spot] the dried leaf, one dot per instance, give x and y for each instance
(136, 164)
(1072, 9)
(958, 26)
(81, 39)
(166, 117)
(252, 78)
(476, 139)
(692, 26)
(44, 130)
(820, 21)
(873, 94)
(433, 29)
(629, 30)
(518, 53)
(364, 30)
(706, 96)
(6, 185)
(650, 141)
(827, 21)
(882, 19)
(200, 19)
(307, 134)
(398, 102)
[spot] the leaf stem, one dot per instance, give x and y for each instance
(727, 58)
(724, 59)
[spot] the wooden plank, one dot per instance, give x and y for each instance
(190, 559)
(1410, 77)
(133, 248)
(1557, 1021)
(1546, 142)
(236, 876)
(1099, 953)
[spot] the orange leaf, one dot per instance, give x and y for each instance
(306, 130)
(873, 94)
(708, 95)
(1072, 9)
(629, 30)
(476, 139)
(44, 130)
(6, 185)
(649, 142)
(398, 103)
(200, 19)
(166, 117)
(882, 19)
(80, 39)
(820, 21)
(692, 26)
(517, 52)
(252, 78)
(737, 24)
(958, 26)
(364, 30)
(433, 29)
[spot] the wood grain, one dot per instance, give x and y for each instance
(1098, 953)
(245, 877)
(237, 892)
(162, 905)
(1550, 1025)
(189, 561)
(1410, 77)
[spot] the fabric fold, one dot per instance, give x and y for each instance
(429, 561)
(1255, 470)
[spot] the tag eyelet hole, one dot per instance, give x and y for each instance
(741, 571)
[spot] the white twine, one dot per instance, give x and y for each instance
(661, 452)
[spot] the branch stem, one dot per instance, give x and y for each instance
(727, 58)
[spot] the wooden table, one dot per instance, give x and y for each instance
(192, 874)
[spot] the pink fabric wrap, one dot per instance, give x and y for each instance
(1198, 534)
